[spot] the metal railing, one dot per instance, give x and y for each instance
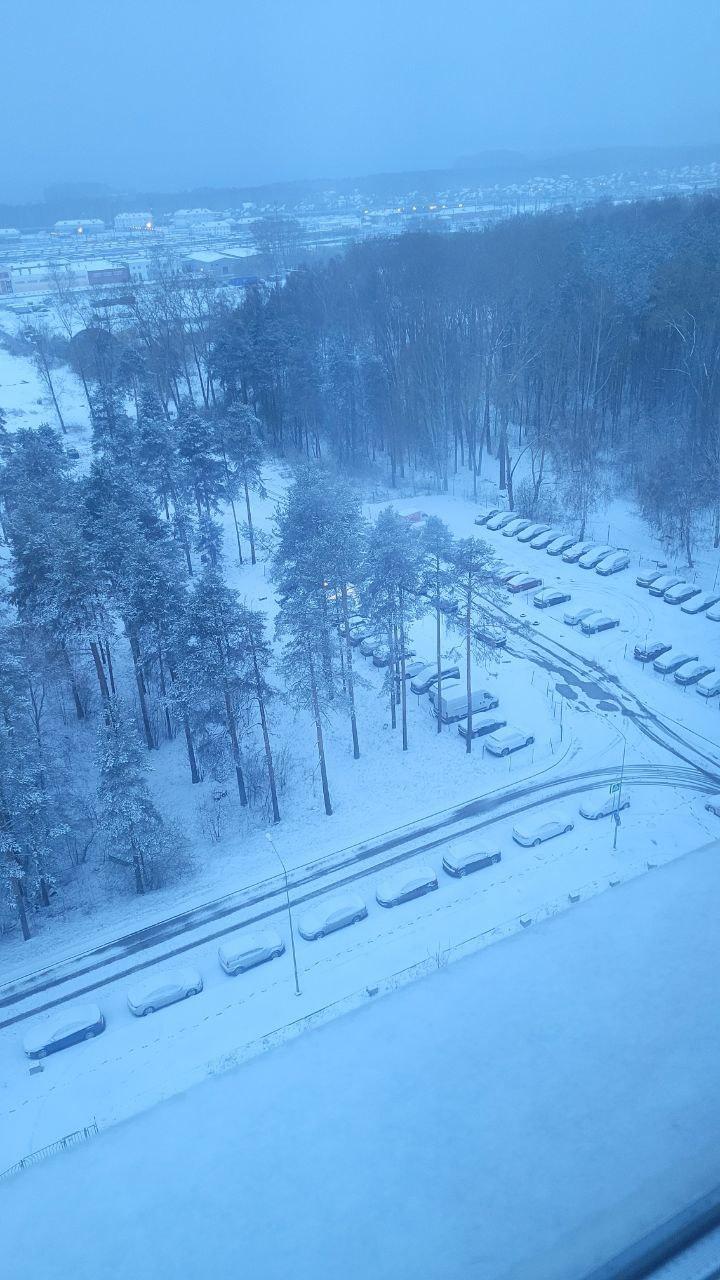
(61, 1144)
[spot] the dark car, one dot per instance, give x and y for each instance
(426, 680)
(692, 672)
(461, 864)
(550, 596)
(652, 650)
(523, 582)
(65, 1027)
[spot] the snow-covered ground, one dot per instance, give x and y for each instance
(526, 1112)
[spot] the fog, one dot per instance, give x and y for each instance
(176, 93)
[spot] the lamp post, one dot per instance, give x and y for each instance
(616, 812)
(269, 838)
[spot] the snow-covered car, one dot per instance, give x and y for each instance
(576, 616)
(591, 626)
(550, 596)
(354, 624)
(487, 633)
(669, 663)
(381, 656)
(651, 650)
(425, 681)
(533, 831)
(370, 644)
(543, 541)
(576, 550)
(563, 542)
(664, 583)
(244, 950)
(692, 672)
(481, 727)
(614, 563)
(502, 573)
(532, 531)
(712, 804)
(405, 884)
(515, 527)
(160, 989)
(487, 515)
(709, 686)
(591, 559)
(507, 740)
(682, 592)
(67, 1025)
(700, 603)
(523, 582)
(335, 913)
(605, 807)
(499, 521)
(649, 578)
(713, 615)
(414, 669)
(463, 862)
(360, 633)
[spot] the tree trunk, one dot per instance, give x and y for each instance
(232, 730)
(100, 671)
(251, 531)
(194, 771)
(350, 681)
(319, 735)
(438, 639)
(79, 708)
(142, 692)
(468, 668)
(20, 904)
(266, 736)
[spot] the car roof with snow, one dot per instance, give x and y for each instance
(62, 1022)
(404, 879)
(240, 944)
(180, 977)
(346, 903)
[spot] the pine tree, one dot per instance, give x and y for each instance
(240, 446)
(472, 580)
(298, 623)
(391, 584)
(436, 541)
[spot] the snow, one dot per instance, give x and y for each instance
(525, 1112)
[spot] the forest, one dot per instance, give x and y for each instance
(580, 352)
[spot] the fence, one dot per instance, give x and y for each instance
(62, 1144)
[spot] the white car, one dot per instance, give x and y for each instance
(614, 563)
(402, 886)
(591, 558)
(713, 615)
(335, 913)
(462, 864)
(700, 603)
(514, 527)
(603, 808)
(576, 550)
(499, 521)
(531, 832)
(242, 951)
(671, 662)
(533, 531)
(67, 1025)
(161, 989)
(681, 593)
(577, 616)
(563, 542)
(664, 583)
(709, 687)
(601, 622)
(507, 740)
(543, 541)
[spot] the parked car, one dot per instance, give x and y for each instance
(523, 582)
(543, 541)
(647, 579)
(354, 624)
(671, 662)
(614, 563)
(160, 989)
(414, 669)
(334, 913)
(67, 1025)
(487, 515)
(664, 583)
(369, 645)
(574, 618)
(533, 831)
(360, 633)
(591, 559)
(550, 596)
(700, 603)
(463, 862)
(603, 808)
(576, 550)
(405, 884)
(713, 615)
(242, 951)
(533, 531)
(499, 521)
(712, 804)
(514, 527)
(381, 656)
(692, 672)
(507, 740)
(564, 542)
(454, 706)
(425, 681)
(591, 626)
(481, 727)
(651, 650)
(487, 633)
(709, 686)
(502, 573)
(681, 593)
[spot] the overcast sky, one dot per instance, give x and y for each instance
(166, 94)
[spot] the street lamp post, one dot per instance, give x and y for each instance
(269, 838)
(616, 814)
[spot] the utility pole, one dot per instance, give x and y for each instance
(269, 838)
(616, 812)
